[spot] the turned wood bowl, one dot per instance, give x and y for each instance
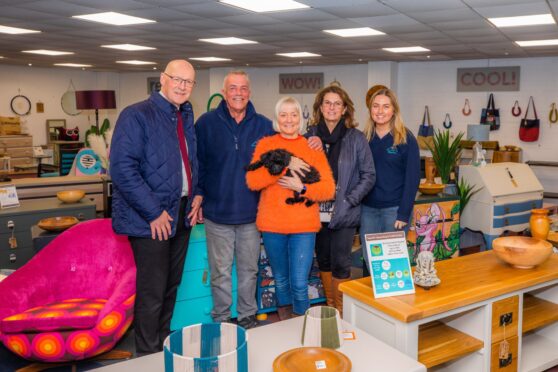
(70, 196)
(57, 223)
(522, 252)
(430, 188)
(304, 359)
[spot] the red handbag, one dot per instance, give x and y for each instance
(529, 128)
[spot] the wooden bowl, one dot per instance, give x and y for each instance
(304, 359)
(431, 188)
(70, 196)
(522, 252)
(57, 223)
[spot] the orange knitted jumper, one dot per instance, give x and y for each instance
(274, 214)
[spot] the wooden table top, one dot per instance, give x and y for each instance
(465, 280)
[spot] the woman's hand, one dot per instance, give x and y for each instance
(399, 225)
(293, 183)
(298, 166)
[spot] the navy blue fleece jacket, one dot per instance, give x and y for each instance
(225, 148)
(397, 175)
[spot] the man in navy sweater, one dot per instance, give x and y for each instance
(227, 137)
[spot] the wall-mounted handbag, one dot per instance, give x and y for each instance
(491, 115)
(529, 128)
(425, 136)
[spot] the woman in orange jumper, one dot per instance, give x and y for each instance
(292, 179)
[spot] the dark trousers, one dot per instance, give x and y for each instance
(333, 250)
(159, 272)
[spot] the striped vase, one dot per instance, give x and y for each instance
(209, 347)
(322, 327)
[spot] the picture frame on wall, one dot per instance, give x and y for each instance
(153, 85)
(52, 132)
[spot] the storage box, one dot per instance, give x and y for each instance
(9, 125)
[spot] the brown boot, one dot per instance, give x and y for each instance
(328, 287)
(285, 312)
(338, 295)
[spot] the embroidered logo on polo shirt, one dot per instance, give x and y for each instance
(392, 150)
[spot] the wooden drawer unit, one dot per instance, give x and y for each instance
(19, 148)
(18, 222)
(504, 365)
(16, 141)
(505, 318)
(20, 152)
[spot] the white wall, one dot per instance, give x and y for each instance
(47, 85)
(434, 84)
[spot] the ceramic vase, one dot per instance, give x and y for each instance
(539, 223)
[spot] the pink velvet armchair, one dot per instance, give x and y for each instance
(74, 299)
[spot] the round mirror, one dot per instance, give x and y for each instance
(20, 105)
(68, 102)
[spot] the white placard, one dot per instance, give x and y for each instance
(390, 269)
(8, 197)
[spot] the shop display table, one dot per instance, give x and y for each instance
(460, 324)
(266, 343)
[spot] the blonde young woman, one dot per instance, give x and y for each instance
(395, 151)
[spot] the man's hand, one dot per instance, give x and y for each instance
(161, 227)
(399, 225)
(196, 215)
(298, 166)
(315, 143)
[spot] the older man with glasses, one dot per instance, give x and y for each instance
(154, 171)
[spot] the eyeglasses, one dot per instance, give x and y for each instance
(179, 81)
(336, 104)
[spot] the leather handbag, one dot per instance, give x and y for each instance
(491, 115)
(529, 128)
(425, 136)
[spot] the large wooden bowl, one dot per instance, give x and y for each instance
(430, 188)
(70, 196)
(304, 359)
(522, 252)
(57, 223)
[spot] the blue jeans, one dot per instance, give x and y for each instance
(376, 220)
(290, 256)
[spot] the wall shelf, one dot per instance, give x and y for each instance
(439, 343)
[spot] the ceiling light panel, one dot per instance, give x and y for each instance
(532, 20)
(16, 31)
(72, 65)
(128, 47)
(113, 18)
(261, 6)
(532, 43)
(413, 49)
(299, 55)
(210, 59)
(136, 62)
(47, 52)
(228, 41)
(355, 32)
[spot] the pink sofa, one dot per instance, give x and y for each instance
(74, 299)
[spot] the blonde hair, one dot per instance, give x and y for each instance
(287, 101)
(349, 114)
(397, 127)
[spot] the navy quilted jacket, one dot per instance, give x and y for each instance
(146, 166)
(225, 148)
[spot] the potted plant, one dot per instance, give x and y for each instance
(446, 153)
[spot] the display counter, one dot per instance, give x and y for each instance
(47, 187)
(266, 343)
(460, 324)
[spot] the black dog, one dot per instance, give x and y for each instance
(276, 161)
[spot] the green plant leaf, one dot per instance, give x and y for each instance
(105, 126)
(455, 209)
(445, 152)
(465, 192)
(87, 133)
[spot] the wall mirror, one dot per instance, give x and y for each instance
(52, 132)
(68, 101)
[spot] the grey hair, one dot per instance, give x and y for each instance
(287, 101)
(236, 72)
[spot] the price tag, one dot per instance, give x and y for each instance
(8, 197)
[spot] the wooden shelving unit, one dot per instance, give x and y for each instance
(537, 313)
(439, 343)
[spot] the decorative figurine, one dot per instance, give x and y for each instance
(425, 273)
